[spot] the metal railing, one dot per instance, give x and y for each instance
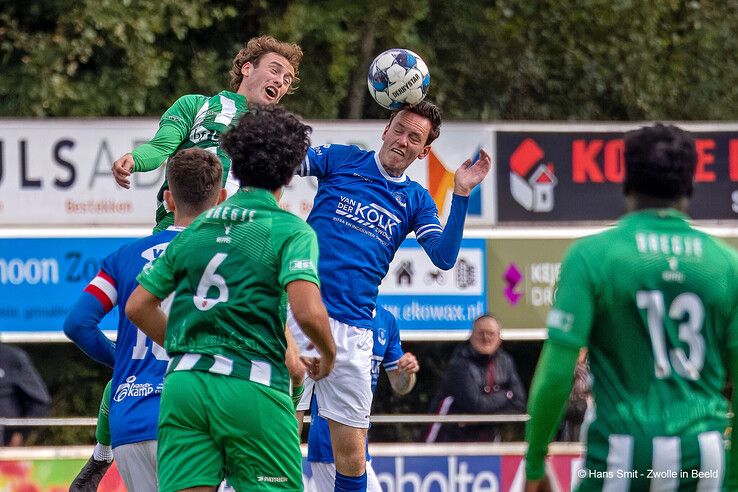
(407, 418)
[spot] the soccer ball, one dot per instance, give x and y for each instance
(398, 78)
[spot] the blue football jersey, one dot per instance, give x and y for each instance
(387, 352)
(361, 216)
(140, 364)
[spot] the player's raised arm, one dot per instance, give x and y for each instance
(174, 127)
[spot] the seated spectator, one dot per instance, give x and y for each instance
(481, 378)
(22, 393)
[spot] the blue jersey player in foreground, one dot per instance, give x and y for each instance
(401, 368)
(138, 363)
(364, 209)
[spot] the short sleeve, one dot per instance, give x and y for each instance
(570, 320)
(299, 259)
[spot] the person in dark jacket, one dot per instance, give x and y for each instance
(481, 378)
(22, 392)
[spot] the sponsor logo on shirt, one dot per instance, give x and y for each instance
(381, 336)
(400, 198)
(133, 389)
(301, 265)
(371, 216)
(560, 320)
(200, 134)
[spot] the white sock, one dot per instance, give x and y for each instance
(102, 453)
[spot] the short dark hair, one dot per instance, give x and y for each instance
(427, 110)
(487, 316)
(660, 162)
(255, 48)
(194, 177)
(266, 146)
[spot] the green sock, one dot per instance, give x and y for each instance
(297, 394)
(102, 431)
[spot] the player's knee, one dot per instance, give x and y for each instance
(352, 465)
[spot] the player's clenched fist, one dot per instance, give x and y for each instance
(122, 169)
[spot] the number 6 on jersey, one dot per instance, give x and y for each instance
(211, 279)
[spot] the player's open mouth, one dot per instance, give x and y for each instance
(271, 92)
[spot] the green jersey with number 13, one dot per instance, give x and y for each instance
(655, 300)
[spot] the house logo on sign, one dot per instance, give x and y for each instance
(532, 181)
(404, 273)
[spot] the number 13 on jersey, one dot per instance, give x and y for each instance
(688, 311)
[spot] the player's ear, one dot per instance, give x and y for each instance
(222, 195)
(169, 200)
(386, 129)
(425, 152)
(247, 68)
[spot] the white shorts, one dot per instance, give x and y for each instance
(324, 477)
(137, 465)
(307, 395)
(345, 395)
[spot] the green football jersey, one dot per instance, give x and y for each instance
(655, 300)
(192, 121)
(229, 270)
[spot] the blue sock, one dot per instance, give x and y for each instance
(350, 484)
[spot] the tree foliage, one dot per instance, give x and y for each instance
(553, 59)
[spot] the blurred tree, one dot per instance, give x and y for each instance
(563, 59)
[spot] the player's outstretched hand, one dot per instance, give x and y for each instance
(538, 485)
(408, 363)
(122, 169)
(470, 174)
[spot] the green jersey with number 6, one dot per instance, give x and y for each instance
(656, 301)
(229, 270)
(192, 121)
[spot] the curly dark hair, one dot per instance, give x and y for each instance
(660, 162)
(255, 48)
(266, 146)
(194, 177)
(427, 110)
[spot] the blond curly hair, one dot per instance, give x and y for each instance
(255, 48)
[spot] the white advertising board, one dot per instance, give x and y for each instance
(56, 172)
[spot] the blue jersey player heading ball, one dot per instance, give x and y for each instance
(364, 209)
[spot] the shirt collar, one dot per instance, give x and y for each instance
(400, 179)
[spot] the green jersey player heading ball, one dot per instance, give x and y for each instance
(263, 72)
(226, 403)
(655, 301)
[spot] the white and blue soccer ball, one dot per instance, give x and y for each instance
(398, 78)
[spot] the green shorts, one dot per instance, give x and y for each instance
(643, 463)
(211, 426)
